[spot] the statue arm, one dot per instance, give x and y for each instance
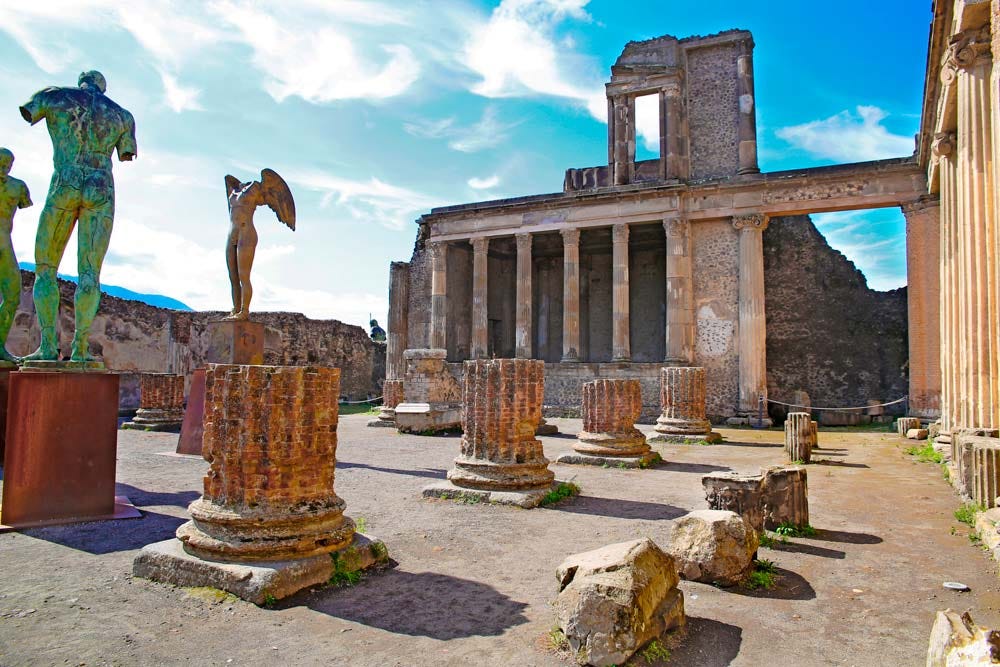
(126, 143)
(25, 200)
(36, 108)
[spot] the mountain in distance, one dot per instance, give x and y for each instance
(157, 300)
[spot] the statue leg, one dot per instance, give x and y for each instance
(232, 263)
(246, 253)
(10, 289)
(95, 235)
(54, 228)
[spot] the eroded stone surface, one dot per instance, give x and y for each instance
(161, 402)
(743, 494)
(713, 546)
(799, 437)
(682, 397)
(432, 398)
(785, 495)
(904, 424)
(610, 409)
(957, 640)
(614, 599)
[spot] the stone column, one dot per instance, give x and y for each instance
(735, 492)
(161, 403)
(621, 132)
(786, 496)
(747, 130)
(923, 240)
(609, 435)
(970, 60)
(682, 397)
(271, 444)
(620, 294)
(439, 295)
(501, 460)
(798, 437)
(398, 327)
(673, 133)
(432, 399)
(680, 328)
(480, 321)
(943, 150)
(753, 335)
(522, 335)
(571, 295)
(392, 395)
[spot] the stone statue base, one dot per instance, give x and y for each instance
(258, 581)
(55, 366)
(421, 418)
(4, 385)
(59, 464)
(235, 342)
(524, 498)
(192, 430)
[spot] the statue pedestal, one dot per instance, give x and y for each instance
(235, 342)
(59, 464)
(192, 430)
(4, 384)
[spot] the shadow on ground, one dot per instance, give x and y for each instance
(618, 508)
(846, 537)
(422, 604)
(788, 586)
(105, 537)
(432, 473)
(809, 549)
(703, 468)
(708, 643)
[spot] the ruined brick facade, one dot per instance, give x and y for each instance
(161, 391)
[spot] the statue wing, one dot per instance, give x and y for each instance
(231, 184)
(278, 197)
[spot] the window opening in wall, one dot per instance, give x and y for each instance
(647, 127)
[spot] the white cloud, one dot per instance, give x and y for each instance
(179, 98)
(484, 183)
(371, 201)
(849, 137)
(872, 239)
(647, 121)
(488, 132)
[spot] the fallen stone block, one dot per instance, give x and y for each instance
(615, 599)
(904, 424)
(957, 640)
(916, 434)
(713, 546)
(785, 493)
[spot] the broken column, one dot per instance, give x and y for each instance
(785, 492)
(985, 470)
(432, 399)
(161, 403)
(682, 397)
(269, 522)
(798, 437)
(501, 461)
(904, 424)
(392, 395)
(743, 494)
(609, 435)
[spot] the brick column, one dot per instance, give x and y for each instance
(480, 321)
(620, 350)
(753, 332)
(522, 334)
(680, 328)
(747, 129)
(271, 443)
(398, 328)
(682, 397)
(392, 395)
(439, 295)
(609, 435)
(501, 460)
(571, 295)
(161, 403)
(923, 240)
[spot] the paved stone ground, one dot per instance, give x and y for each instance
(472, 583)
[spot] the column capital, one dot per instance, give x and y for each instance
(751, 222)
(437, 249)
(523, 242)
(676, 226)
(480, 244)
(619, 233)
(943, 144)
(969, 48)
(570, 236)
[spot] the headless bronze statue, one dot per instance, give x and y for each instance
(244, 198)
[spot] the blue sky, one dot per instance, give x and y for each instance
(374, 112)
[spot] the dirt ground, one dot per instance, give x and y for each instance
(472, 584)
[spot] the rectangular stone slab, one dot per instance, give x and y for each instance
(257, 581)
(192, 429)
(235, 342)
(59, 464)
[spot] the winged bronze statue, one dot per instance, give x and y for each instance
(244, 198)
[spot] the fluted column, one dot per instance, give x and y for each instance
(522, 334)
(680, 294)
(969, 58)
(621, 130)
(398, 327)
(747, 129)
(620, 350)
(923, 232)
(439, 295)
(571, 295)
(673, 133)
(480, 321)
(753, 335)
(943, 150)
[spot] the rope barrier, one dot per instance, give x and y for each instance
(370, 400)
(864, 407)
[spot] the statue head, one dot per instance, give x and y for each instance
(373, 323)
(6, 160)
(92, 79)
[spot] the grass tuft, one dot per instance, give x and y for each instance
(360, 525)
(925, 453)
(557, 639)
(967, 513)
(763, 576)
(791, 530)
(562, 492)
(656, 460)
(654, 651)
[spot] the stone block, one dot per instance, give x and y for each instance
(785, 495)
(962, 444)
(432, 398)
(615, 599)
(192, 428)
(743, 494)
(904, 424)
(713, 546)
(799, 436)
(985, 477)
(238, 342)
(957, 640)
(916, 434)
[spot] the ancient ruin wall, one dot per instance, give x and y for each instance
(713, 110)
(133, 336)
(828, 333)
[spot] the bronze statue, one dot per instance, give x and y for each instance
(85, 126)
(13, 195)
(244, 198)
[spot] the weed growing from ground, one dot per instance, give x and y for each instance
(791, 530)
(655, 651)
(762, 576)
(360, 524)
(925, 453)
(343, 575)
(269, 600)
(656, 460)
(557, 639)
(561, 492)
(767, 542)
(967, 513)
(798, 462)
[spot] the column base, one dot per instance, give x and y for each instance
(484, 475)
(524, 498)
(155, 420)
(646, 460)
(386, 419)
(672, 426)
(710, 438)
(750, 420)
(261, 581)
